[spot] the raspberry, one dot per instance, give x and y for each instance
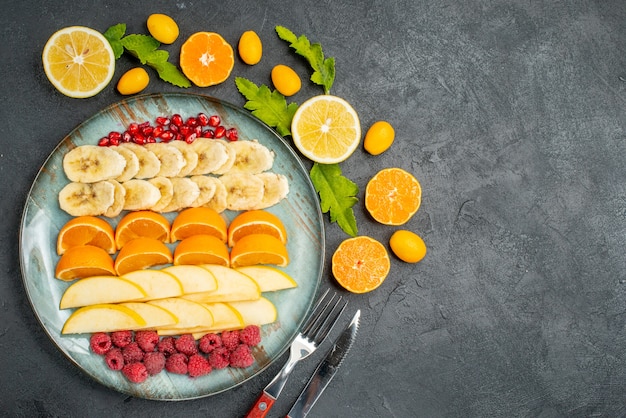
(186, 344)
(135, 372)
(166, 346)
(147, 340)
(241, 356)
(209, 342)
(100, 343)
(198, 366)
(219, 358)
(132, 353)
(176, 363)
(154, 362)
(250, 335)
(121, 338)
(230, 339)
(114, 359)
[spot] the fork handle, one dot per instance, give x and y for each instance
(262, 406)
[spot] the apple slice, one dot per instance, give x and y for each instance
(268, 278)
(190, 314)
(156, 283)
(194, 279)
(104, 317)
(256, 312)
(100, 289)
(231, 286)
(155, 316)
(224, 317)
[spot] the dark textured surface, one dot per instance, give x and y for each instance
(511, 115)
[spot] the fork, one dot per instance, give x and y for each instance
(318, 325)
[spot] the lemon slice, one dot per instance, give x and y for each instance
(326, 129)
(78, 61)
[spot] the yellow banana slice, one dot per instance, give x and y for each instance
(189, 155)
(212, 155)
(230, 160)
(275, 189)
(140, 194)
(86, 199)
(243, 190)
(185, 192)
(218, 200)
(251, 157)
(92, 163)
(132, 164)
(166, 188)
(149, 163)
(119, 198)
(207, 186)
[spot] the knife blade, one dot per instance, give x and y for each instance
(326, 370)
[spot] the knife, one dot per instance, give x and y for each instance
(325, 370)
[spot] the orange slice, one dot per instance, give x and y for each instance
(256, 222)
(197, 221)
(84, 261)
(201, 249)
(360, 264)
(86, 230)
(141, 253)
(393, 196)
(259, 249)
(143, 223)
(78, 61)
(206, 59)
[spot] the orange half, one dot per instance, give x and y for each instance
(201, 249)
(84, 261)
(143, 223)
(256, 222)
(360, 264)
(393, 196)
(206, 59)
(86, 230)
(198, 221)
(141, 253)
(259, 249)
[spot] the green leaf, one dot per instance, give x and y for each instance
(269, 106)
(337, 195)
(323, 69)
(140, 46)
(170, 73)
(114, 35)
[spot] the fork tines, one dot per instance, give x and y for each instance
(324, 316)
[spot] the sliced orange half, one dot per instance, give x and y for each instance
(259, 249)
(141, 253)
(256, 222)
(86, 230)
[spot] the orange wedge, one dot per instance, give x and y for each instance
(360, 264)
(201, 249)
(84, 261)
(256, 222)
(86, 230)
(259, 249)
(141, 253)
(206, 59)
(393, 196)
(143, 223)
(198, 221)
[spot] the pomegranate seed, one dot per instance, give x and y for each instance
(190, 138)
(139, 139)
(177, 120)
(127, 137)
(114, 141)
(232, 134)
(147, 130)
(133, 128)
(150, 140)
(203, 119)
(163, 121)
(167, 136)
(115, 135)
(208, 134)
(180, 137)
(220, 131)
(144, 124)
(214, 121)
(104, 142)
(174, 129)
(198, 130)
(185, 130)
(192, 122)
(157, 131)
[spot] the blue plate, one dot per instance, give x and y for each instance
(42, 220)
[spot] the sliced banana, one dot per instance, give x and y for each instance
(243, 190)
(119, 197)
(167, 192)
(212, 155)
(132, 164)
(185, 192)
(87, 199)
(207, 186)
(252, 157)
(172, 160)
(189, 154)
(140, 194)
(92, 163)
(149, 163)
(275, 189)
(230, 160)
(218, 200)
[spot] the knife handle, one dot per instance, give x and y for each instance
(261, 407)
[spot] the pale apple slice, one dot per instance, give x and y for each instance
(194, 279)
(231, 286)
(102, 318)
(155, 316)
(268, 278)
(156, 283)
(190, 314)
(224, 317)
(100, 289)
(256, 312)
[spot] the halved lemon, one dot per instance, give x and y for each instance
(78, 61)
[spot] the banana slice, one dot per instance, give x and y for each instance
(207, 186)
(132, 164)
(232, 155)
(276, 188)
(86, 199)
(140, 194)
(185, 192)
(189, 154)
(92, 163)
(218, 200)
(167, 192)
(172, 160)
(243, 190)
(212, 155)
(119, 197)
(252, 157)
(149, 163)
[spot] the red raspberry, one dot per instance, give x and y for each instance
(132, 353)
(241, 356)
(250, 335)
(209, 342)
(154, 362)
(121, 338)
(114, 359)
(147, 340)
(198, 366)
(186, 344)
(167, 346)
(100, 343)
(135, 372)
(177, 363)
(219, 358)
(230, 339)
